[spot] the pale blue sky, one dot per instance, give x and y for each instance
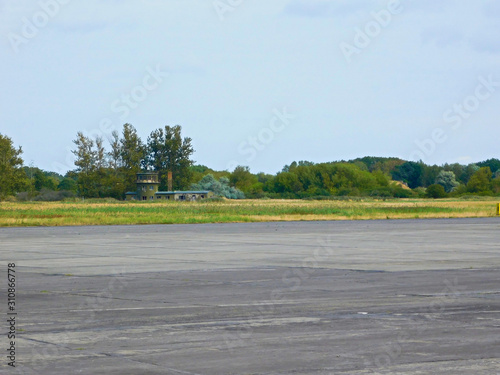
(223, 72)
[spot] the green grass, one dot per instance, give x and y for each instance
(123, 213)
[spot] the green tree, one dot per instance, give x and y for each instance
(348, 177)
(480, 182)
(100, 154)
(467, 172)
(410, 173)
(436, 191)
(495, 184)
(12, 176)
(42, 181)
(287, 184)
(85, 160)
(115, 173)
(264, 177)
(430, 174)
(67, 184)
(132, 155)
(91, 163)
(381, 178)
(386, 165)
(115, 155)
(85, 165)
(166, 151)
(243, 179)
(493, 164)
(447, 180)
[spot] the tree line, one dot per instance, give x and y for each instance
(101, 173)
(108, 170)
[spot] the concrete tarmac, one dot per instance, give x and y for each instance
(320, 298)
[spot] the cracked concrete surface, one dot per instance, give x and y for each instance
(321, 298)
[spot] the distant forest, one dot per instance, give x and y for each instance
(110, 173)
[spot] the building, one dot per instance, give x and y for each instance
(147, 190)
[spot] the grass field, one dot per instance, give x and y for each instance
(102, 213)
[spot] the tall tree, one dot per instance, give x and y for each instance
(100, 154)
(167, 151)
(115, 176)
(132, 155)
(480, 182)
(43, 181)
(85, 163)
(242, 178)
(494, 165)
(91, 161)
(12, 176)
(115, 155)
(409, 172)
(85, 159)
(467, 173)
(447, 180)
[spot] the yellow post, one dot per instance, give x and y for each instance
(498, 209)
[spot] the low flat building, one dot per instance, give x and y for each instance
(147, 190)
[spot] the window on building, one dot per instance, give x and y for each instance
(144, 198)
(151, 198)
(151, 187)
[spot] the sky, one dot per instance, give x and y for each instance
(253, 82)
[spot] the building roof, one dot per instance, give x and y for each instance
(182, 192)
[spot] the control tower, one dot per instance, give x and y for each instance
(147, 185)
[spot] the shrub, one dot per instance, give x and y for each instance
(24, 196)
(421, 192)
(383, 192)
(52, 196)
(220, 188)
(399, 192)
(212, 199)
(436, 191)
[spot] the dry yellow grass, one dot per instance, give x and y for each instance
(90, 213)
